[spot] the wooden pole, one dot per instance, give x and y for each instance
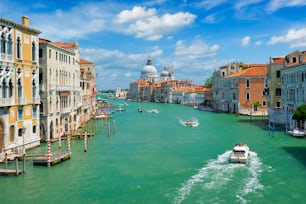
(16, 159)
(108, 128)
(114, 126)
(59, 140)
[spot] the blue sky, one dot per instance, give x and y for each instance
(195, 37)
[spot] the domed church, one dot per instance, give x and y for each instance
(149, 73)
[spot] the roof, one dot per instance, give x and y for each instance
(253, 71)
(82, 61)
(66, 45)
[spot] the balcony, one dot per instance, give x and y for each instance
(22, 101)
(6, 101)
(36, 100)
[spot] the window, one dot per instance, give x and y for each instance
(18, 48)
(248, 83)
(20, 113)
(33, 88)
(264, 103)
(293, 59)
(33, 51)
(10, 45)
(4, 89)
(248, 96)
(12, 133)
(40, 53)
(19, 88)
(34, 112)
(3, 43)
(56, 55)
(49, 53)
(278, 104)
(20, 132)
(34, 129)
(278, 74)
(10, 90)
(278, 91)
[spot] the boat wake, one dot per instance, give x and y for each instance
(184, 123)
(218, 176)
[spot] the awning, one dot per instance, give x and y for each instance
(65, 93)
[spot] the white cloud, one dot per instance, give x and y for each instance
(258, 43)
(136, 13)
(246, 41)
(210, 19)
(145, 23)
(296, 38)
(243, 3)
(274, 5)
(197, 49)
(209, 4)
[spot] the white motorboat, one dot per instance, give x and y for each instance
(153, 111)
(190, 123)
(296, 132)
(139, 109)
(240, 153)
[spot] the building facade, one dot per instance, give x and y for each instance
(59, 75)
(19, 92)
(294, 86)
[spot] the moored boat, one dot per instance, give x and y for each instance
(296, 132)
(240, 153)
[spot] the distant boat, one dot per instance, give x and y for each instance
(191, 123)
(120, 109)
(296, 132)
(240, 153)
(153, 111)
(139, 109)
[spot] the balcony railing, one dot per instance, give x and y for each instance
(22, 101)
(36, 100)
(6, 101)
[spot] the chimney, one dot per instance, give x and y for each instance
(25, 20)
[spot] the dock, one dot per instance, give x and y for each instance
(10, 172)
(55, 159)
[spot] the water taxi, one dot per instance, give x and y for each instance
(240, 153)
(190, 123)
(139, 110)
(153, 111)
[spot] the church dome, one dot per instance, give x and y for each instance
(164, 73)
(149, 71)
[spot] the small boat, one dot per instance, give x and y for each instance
(296, 132)
(120, 109)
(139, 110)
(190, 123)
(153, 111)
(240, 153)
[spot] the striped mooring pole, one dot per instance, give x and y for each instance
(85, 141)
(49, 153)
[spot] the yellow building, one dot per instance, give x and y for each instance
(19, 88)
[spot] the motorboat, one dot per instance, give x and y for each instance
(120, 109)
(240, 153)
(153, 111)
(190, 123)
(139, 110)
(296, 132)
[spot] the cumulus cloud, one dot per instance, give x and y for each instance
(246, 41)
(197, 49)
(278, 4)
(296, 38)
(145, 23)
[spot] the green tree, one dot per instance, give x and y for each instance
(300, 113)
(208, 82)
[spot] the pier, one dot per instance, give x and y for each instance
(55, 159)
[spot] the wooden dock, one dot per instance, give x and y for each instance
(55, 159)
(10, 172)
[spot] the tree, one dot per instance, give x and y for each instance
(208, 82)
(300, 113)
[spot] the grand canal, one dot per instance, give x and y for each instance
(153, 158)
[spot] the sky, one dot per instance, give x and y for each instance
(194, 37)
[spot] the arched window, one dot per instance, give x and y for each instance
(10, 45)
(33, 51)
(18, 48)
(33, 88)
(3, 88)
(10, 89)
(19, 84)
(3, 43)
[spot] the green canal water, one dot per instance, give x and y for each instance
(153, 158)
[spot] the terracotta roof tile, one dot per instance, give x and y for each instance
(82, 61)
(254, 70)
